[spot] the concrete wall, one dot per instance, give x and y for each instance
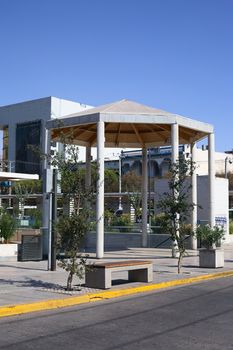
(202, 162)
(25, 111)
(122, 241)
(61, 108)
(221, 198)
(43, 108)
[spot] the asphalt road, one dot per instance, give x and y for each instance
(198, 316)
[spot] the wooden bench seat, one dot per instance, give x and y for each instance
(100, 274)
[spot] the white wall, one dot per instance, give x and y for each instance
(202, 162)
(221, 198)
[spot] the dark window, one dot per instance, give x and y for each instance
(27, 140)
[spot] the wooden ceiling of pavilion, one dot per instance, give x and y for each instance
(125, 134)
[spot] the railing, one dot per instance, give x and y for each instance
(130, 229)
(6, 165)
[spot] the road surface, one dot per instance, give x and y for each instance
(198, 316)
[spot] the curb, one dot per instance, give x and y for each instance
(12, 310)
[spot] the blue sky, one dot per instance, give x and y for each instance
(171, 54)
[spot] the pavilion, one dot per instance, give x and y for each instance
(127, 124)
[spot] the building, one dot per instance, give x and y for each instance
(23, 124)
(159, 160)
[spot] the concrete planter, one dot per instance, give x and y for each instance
(212, 258)
(9, 252)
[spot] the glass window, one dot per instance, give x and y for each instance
(28, 138)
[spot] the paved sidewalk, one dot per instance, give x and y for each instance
(28, 282)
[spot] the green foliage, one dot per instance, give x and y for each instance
(175, 204)
(131, 182)
(7, 226)
(22, 190)
(124, 221)
(71, 230)
(27, 187)
(108, 217)
(37, 216)
(135, 199)
(209, 236)
(157, 223)
(111, 181)
(231, 227)
(74, 266)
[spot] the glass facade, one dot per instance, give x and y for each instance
(28, 138)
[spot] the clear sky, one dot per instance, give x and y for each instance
(171, 54)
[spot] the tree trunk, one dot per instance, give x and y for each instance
(180, 258)
(69, 281)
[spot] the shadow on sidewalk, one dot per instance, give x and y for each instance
(22, 267)
(29, 282)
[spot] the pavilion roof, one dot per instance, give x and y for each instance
(127, 124)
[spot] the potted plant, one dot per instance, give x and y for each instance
(211, 255)
(8, 251)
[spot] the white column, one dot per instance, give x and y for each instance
(194, 196)
(175, 158)
(88, 168)
(175, 142)
(144, 197)
(47, 187)
(100, 192)
(211, 165)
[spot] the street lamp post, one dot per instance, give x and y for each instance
(120, 159)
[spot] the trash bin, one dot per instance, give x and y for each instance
(30, 248)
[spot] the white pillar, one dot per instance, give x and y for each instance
(47, 187)
(175, 142)
(211, 165)
(100, 192)
(144, 197)
(194, 196)
(88, 168)
(175, 158)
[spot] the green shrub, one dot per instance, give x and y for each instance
(157, 223)
(36, 215)
(108, 217)
(123, 220)
(7, 226)
(209, 236)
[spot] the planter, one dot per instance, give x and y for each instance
(212, 258)
(9, 252)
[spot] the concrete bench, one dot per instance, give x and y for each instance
(100, 274)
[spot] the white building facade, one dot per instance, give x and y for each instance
(23, 124)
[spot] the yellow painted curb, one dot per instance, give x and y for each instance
(11, 310)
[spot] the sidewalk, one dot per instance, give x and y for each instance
(28, 282)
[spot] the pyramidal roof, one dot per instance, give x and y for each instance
(122, 107)
(127, 124)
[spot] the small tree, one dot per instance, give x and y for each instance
(23, 189)
(176, 206)
(71, 229)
